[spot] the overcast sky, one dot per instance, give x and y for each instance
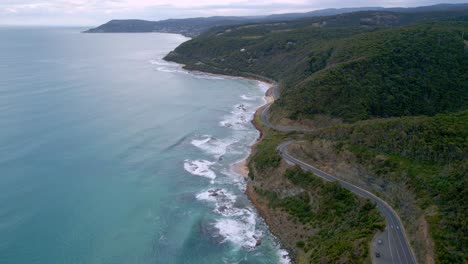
(95, 12)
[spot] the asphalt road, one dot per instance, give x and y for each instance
(264, 116)
(391, 245)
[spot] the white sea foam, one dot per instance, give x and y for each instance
(213, 146)
(264, 86)
(200, 168)
(165, 66)
(240, 116)
(223, 201)
(231, 177)
(283, 257)
(239, 232)
(221, 197)
(172, 67)
(200, 142)
(247, 98)
(161, 62)
(202, 75)
(237, 224)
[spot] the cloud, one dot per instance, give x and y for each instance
(99, 11)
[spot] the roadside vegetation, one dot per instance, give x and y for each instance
(429, 156)
(318, 220)
(343, 224)
(266, 157)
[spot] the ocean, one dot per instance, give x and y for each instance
(109, 154)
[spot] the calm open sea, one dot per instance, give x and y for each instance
(108, 154)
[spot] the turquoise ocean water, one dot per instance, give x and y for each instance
(108, 154)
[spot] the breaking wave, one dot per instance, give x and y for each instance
(172, 67)
(248, 98)
(200, 168)
(214, 146)
(240, 117)
(237, 225)
(236, 221)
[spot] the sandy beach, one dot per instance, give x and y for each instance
(241, 167)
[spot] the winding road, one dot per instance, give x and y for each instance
(391, 245)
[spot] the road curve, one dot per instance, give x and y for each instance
(394, 247)
(264, 115)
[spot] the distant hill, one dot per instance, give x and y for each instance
(192, 27)
(321, 12)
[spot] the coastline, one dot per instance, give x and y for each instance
(241, 167)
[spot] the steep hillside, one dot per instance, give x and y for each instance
(353, 72)
(416, 70)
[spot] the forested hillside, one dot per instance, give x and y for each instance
(318, 221)
(427, 156)
(353, 66)
(415, 70)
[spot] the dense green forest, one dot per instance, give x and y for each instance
(429, 154)
(352, 66)
(414, 70)
(319, 221)
(399, 84)
(336, 215)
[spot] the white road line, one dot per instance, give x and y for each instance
(401, 243)
(390, 244)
